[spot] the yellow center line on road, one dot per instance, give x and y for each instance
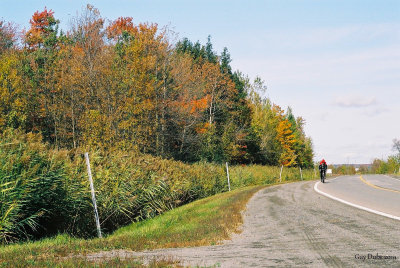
(377, 187)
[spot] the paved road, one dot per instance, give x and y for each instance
(292, 225)
(380, 193)
(384, 181)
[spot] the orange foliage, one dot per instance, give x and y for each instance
(41, 24)
(198, 105)
(119, 26)
(40, 20)
(203, 128)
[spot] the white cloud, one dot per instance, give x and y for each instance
(356, 69)
(353, 101)
(362, 33)
(377, 111)
(339, 70)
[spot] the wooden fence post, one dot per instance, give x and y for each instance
(301, 174)
(96, 214)
(227, 174)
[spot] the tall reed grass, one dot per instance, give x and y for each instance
(263, 175)
(44, 192)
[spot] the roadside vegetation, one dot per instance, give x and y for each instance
(45, 191)
(45, 194)
(389, 166)
(204, 222)
(159, 118)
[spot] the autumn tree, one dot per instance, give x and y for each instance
(264, 128)
(286, 138)
(127, 85)
(143, 53)
(90, 64)
(228, 110)
(43, 29)
(302, 145)
(121, 29)
(239, 119)
(39, 73)
(187, 107)
(13, 99)
(68, 108)
(8, 36)
(279, 138)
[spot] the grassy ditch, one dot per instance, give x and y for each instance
(44, 192)
(203, 222)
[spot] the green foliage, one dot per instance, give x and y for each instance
(196, 50)
(390, 166)
(344, 170)
(31, 187)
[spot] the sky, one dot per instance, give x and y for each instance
(336, 63)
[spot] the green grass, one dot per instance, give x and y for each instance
(40, 187)
(266, 175)
(204, 222)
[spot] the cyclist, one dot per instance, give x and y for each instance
(322, 169)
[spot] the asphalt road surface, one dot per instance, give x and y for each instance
(293, 225)
(377, 193)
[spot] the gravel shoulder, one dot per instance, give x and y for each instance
(292, 225)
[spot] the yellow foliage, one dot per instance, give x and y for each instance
(12, 99)
(286, 138)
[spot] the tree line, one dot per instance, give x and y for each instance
(121, 85)
(389, 166)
